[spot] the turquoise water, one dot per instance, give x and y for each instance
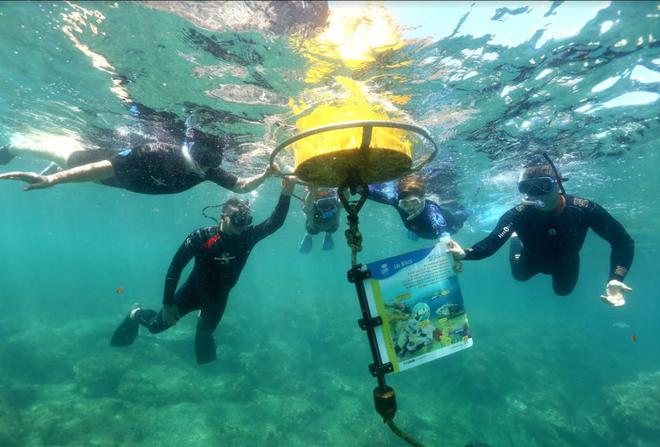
(579, 80)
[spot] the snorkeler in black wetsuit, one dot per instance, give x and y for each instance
(157, 168)
(548, 230)
(220, 253)
(160, 166)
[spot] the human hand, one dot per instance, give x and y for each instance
(34, 180)
(288, 183)
(271, 169)
(170, 313)
(455, 250)
(458, 253)
(614, 293)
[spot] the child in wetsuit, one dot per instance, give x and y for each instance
(321, 207)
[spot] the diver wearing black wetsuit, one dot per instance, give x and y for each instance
(153, 168)
(219, 260)
(550, 243)
(170, 161)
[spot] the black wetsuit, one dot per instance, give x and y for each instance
(551, 243)
(151, 168)
(219, 260)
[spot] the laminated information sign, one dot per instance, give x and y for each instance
(418, 297)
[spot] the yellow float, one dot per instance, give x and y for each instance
(349, 140)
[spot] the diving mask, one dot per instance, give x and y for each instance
(537, 186)
(240, 216)
(327, 207)
(412, 205)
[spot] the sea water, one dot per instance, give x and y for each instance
(493, 82)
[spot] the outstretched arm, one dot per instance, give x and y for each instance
(276, 219)
(91, 172)
(491, 243)
(382, 193)
(248, 184)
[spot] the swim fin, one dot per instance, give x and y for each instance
(305, 244)
(5, 155)
(328, 243)
(126, 333)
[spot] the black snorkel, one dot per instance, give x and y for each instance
(211, 217)
(559, 178)
(241, 217)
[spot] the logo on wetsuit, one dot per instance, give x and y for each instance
(505, 230)
(225, 258)
(211, 241)
(583, 203)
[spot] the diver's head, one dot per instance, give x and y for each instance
(206, 149)
(412, 189)
(539, 187)
(327, 203)
(235, 216)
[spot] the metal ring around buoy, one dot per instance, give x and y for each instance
(367, 126)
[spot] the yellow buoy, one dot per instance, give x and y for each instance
(353, 140)
(358, 151)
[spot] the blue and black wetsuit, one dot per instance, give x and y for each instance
(219, 260)
(430, 223)
(551, 243)
(324, 215)
(152, 168)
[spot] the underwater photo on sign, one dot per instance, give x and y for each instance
(418, 297)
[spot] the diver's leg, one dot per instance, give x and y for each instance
(55, 148)
(565, 275)
(521, 265)
(186, 300)
(305, 244)
(328, 243)
(209, 317)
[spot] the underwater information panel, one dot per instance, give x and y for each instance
(419, 299)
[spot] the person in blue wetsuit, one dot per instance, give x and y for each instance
(420, 215)
(321, 208)
(547, 231)
(220, 253)
(177, 159)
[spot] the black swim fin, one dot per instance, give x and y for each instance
(126, 333)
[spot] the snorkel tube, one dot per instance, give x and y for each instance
(188, 142)
(559, 178)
